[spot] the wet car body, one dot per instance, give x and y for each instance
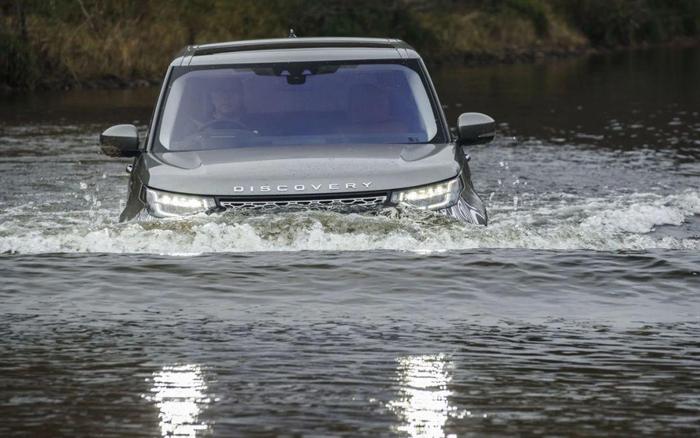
(289, 144)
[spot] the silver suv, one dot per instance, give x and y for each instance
(333, 123)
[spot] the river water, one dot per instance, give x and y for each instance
(577, 311)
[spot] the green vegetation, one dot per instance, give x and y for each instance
(68, 42)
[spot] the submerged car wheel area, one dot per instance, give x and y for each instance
(302, 123)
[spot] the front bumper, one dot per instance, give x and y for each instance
(465, 208)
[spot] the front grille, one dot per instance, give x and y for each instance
(325, 203)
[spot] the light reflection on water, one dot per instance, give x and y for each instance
(423, 404)
(179, 392)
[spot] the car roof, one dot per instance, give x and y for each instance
(295, 50)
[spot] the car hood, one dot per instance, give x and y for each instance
(299, 170)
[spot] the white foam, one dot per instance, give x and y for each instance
(608, 224)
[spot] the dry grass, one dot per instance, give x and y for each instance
(497, 35)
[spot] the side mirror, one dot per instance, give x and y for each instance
(120, 141)
(475, 128)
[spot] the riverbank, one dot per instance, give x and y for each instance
(105, 44)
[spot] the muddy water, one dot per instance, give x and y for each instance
(576, 311)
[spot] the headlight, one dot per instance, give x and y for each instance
(164, 204)
(432, 197)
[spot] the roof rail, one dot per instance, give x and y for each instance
(291, 43)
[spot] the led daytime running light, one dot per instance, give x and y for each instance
(162, 204)
(182, 201)
(431, 197)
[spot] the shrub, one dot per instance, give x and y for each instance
(18, 67)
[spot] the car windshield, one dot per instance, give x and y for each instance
(310, 103)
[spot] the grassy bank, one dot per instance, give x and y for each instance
(59, 43)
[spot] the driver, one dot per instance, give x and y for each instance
(227, 103)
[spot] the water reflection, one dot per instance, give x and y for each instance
(423, 403)
(179, 392)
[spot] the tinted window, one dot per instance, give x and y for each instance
(298, 104)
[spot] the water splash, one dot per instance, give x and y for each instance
(615, 223)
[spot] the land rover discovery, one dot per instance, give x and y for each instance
(332, 123)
